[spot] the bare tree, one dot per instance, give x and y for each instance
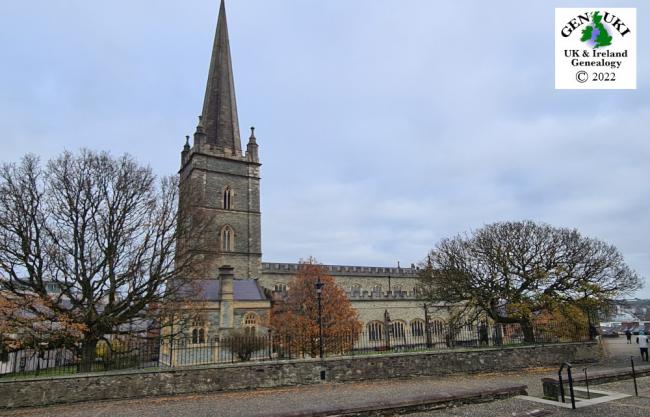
(512, 271)
(102, 230)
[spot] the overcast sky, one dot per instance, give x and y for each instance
(383, 125)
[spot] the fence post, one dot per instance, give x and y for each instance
(499, 334)
(570, 377)
(171, 350)
(559, 377)
(636, 389)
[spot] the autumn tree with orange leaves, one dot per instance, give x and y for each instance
(294, 317)
(29, 322)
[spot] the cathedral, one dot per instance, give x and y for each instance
(221, 180)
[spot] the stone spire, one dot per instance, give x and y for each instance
(186, 151)
(220, 123)
(251, 149)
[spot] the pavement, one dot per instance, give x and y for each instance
(279, 401)
(517, 407)
(285, 401)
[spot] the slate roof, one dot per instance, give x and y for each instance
(210, 289)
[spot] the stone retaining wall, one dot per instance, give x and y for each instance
(69, 389)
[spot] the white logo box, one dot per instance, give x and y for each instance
(601, 62)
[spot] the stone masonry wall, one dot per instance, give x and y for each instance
(40, 392)
(204, 178)
(370, 306)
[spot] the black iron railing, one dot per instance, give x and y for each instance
(133, 352)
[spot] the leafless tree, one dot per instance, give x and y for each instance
(512, 271)
(102, 230)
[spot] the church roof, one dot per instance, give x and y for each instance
(210, 290)
(219, 118)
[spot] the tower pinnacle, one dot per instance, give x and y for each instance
(252, 148)
(220, 122)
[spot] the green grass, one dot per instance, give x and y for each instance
(65, 371)
(43, 373)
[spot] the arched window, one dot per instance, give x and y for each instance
(376, 291)
(198, 335)
(280, 287)
(417, 328)
(397, 290)
(250, 323)
(375, 331)
(228, 198)
(398, 329)
(198, 331)
(355, 290)
(437, 327)
(227, 239)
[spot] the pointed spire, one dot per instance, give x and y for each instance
(220, 122)
(252, 153)
(199, 134)
(186, 151)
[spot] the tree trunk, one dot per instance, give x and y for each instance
(527, 329)
(498, 334)
(88, 354)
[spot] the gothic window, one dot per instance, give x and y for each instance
(397, 290)
(437, 327)
(280, 287)
(198, 335)
(227, 239)
(250, 323)
(228, 198)
(375, 331)
(355, 290)
(397, 329)
(376, 291)
(417, 328)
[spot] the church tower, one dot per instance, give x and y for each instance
(218, 183)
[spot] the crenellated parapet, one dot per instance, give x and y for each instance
(344, 270)
(360, 283)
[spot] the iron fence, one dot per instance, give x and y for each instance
(163, 352)
(109, 355)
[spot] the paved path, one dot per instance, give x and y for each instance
(627, 407)
(277, 401)
(619, 352)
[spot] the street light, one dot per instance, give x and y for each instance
(319, 290)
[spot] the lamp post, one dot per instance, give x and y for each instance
(319, 290)
(427, 326)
